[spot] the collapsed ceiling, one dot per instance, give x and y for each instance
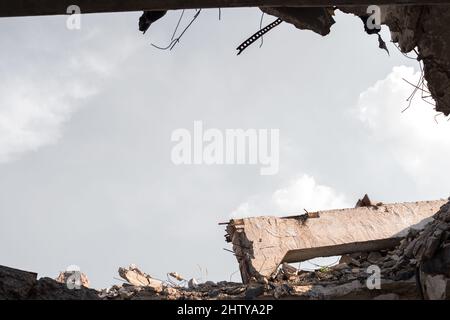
(422, 29)
(418, 28)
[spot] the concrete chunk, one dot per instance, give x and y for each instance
(138, 278)
(262, 243)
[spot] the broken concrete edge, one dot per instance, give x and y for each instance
(261, 244)
(348, 248)
(421, 29)
(136, 277)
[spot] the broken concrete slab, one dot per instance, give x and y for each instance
(436, 287)
(352, 290)
(430, 249)
(261, 244)
(136, 277)
(318, 20)
(366, 202)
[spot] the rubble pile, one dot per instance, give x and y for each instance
(261, 244)
(431, 251)
(347, 280)
(418, 267)
(209, 290)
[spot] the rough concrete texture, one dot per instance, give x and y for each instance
(318, 20)
(420, 27)
(426, 27)
(262, 243)
(431, 250)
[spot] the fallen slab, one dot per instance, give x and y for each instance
(136, 277)
(261, 244)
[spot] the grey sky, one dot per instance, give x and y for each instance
(86, 119)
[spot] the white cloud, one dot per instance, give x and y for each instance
(413, 138)
(301, 193)
(305, 193)
(33, 111)
(36, 98)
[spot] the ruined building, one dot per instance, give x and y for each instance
(409, 243)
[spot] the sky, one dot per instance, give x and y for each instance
(86, 117)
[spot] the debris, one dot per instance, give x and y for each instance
(423, 31)
(340, 266)
(289, 270)
(244, 45)
(176, 276)
(437, 287)
(364, 202)
(428, 265)
(254, 291)
(148, 18)
(138, 278)
(192, 284)
(210, 283)
(316, 19)
(374, 257)
(261, 244)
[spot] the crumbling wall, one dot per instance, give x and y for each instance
(425, 28)
(431, 250)
(417, 27)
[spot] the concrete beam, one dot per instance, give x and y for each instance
(10, 8)
(261, 244)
